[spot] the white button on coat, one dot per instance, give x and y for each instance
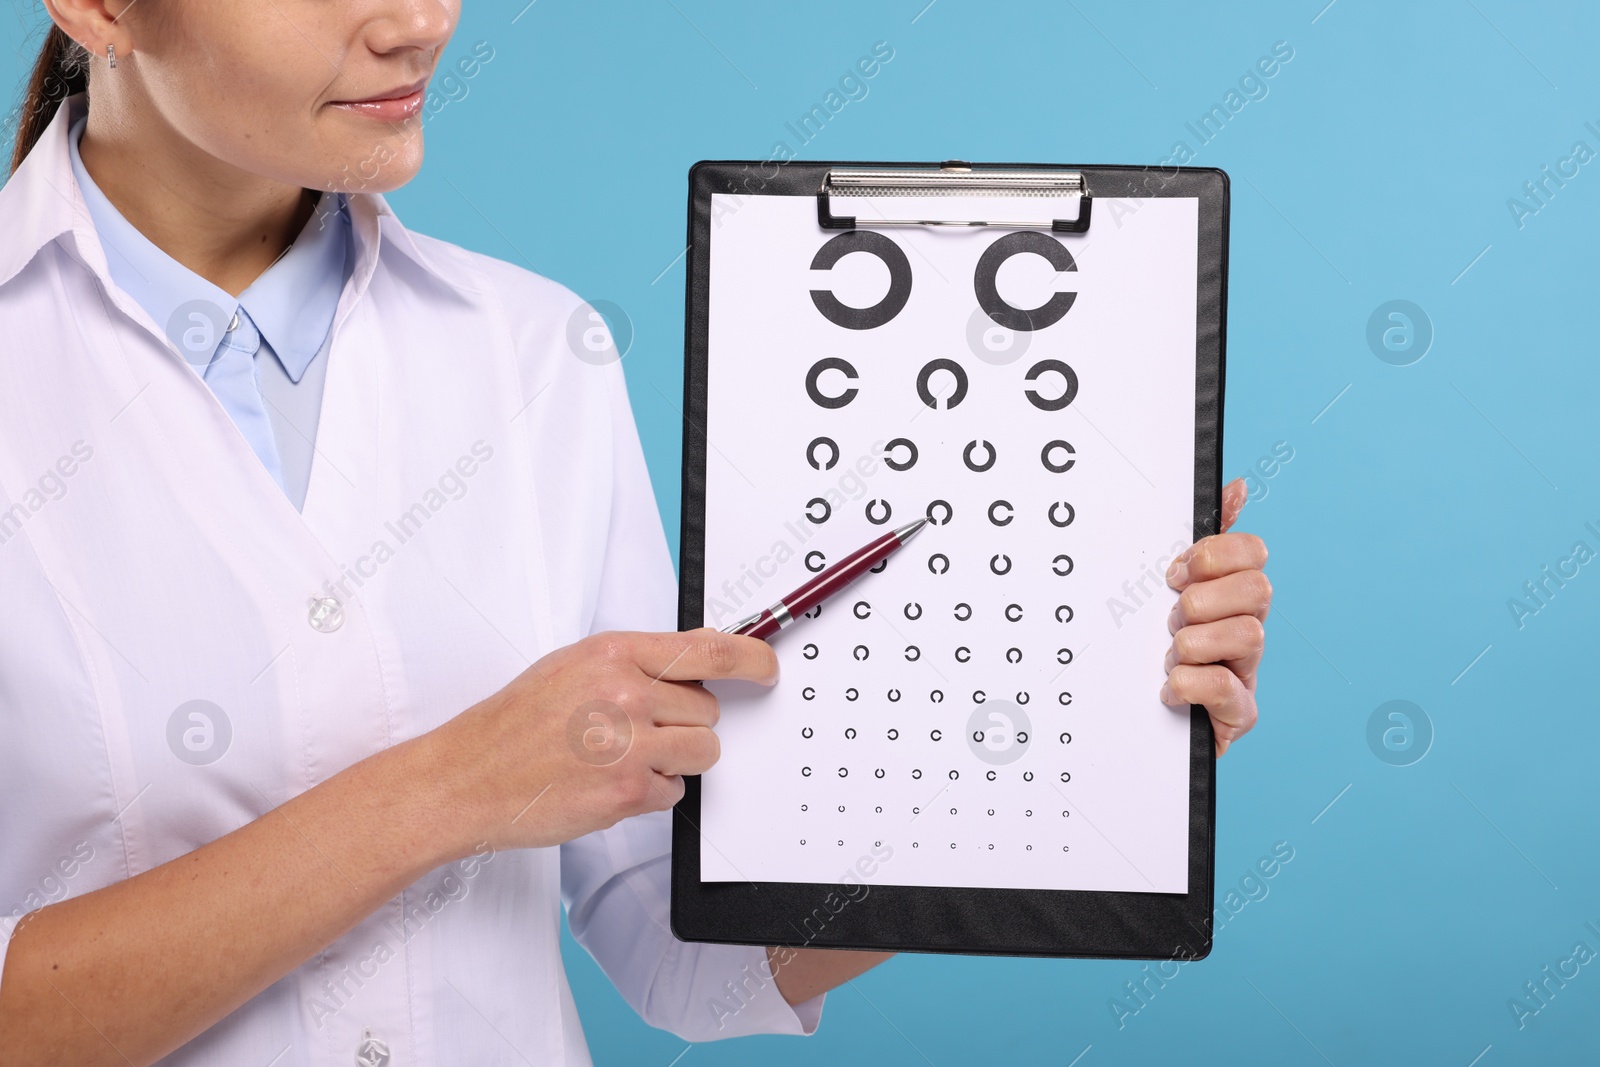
(478, 498)
(372, 1053)
(326, 614)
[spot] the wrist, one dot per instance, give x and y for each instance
(426, 784)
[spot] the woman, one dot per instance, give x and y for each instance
(292, 499)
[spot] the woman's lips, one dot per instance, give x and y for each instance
(393, 109)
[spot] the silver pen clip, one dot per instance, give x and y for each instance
(742, 624)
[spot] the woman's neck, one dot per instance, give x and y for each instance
(225, 224)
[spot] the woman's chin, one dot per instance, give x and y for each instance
(377, 168)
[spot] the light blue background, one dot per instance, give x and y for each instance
(1378, 166)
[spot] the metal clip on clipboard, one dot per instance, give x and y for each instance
(954, 178)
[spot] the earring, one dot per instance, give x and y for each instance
(111, 56)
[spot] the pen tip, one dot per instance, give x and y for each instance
(910, 529)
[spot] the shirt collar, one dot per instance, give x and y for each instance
(43, 203)
(293, 301)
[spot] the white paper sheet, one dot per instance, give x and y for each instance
(826, 767)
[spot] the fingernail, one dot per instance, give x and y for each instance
(1172, 658)
(1178, 573)
(1167, 695)
(1172, 619)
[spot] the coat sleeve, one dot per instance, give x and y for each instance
(615, 882)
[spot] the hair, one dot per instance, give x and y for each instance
(61, 70)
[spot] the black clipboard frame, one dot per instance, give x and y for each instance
(1010, 922)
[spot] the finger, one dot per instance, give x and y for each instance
(1239, 593)
(682, 750)
(1212, 557)
(704, 653)
(683, 704)
(1234, 495)
(1231, 705)
(665, 791)
(1236, 643)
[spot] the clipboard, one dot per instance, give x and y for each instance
(861, 908)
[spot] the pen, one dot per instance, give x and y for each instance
(831, 580)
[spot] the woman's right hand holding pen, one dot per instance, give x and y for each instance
(590, 734)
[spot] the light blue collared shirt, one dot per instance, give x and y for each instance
(284, 318)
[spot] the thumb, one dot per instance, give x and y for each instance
(1234, 494)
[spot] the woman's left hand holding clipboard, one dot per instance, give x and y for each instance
(1216, 625)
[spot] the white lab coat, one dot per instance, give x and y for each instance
(478, 498)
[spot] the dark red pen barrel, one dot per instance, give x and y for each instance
(840, 574)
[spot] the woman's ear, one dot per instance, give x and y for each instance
(94, 24)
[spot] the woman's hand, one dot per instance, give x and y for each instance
(592, 733)
(1216, 626)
